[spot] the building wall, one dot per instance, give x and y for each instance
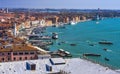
(66, 20)
(27, 24)
(52, 19)
(82, 18)
(5, 57)
(77, 19)
(48, 23)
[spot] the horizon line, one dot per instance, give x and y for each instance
(60, 8)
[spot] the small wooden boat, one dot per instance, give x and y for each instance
(106, 59)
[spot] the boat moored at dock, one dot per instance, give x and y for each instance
(73, 23)
(63, 53)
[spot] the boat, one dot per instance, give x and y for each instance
(59, 43)
(105, 49)
(61, 26)
(61, 50)
(91, 44)
(106, 59)
(72, 23)
(63, 53)
(68, 54)
(54, 35)
(97, 22)
(55, 25)
(91, 54)
(105, 42)
(73, 44)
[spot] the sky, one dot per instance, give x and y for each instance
(61, 4)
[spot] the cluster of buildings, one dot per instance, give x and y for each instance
(15, 49)
(27, 19)
(12, 47)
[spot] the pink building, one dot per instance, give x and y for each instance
(17, 53)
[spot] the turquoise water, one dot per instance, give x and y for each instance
(88, 32)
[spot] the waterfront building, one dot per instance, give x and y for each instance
(82, 18)
(66, 19)
(15, 49)
(17, 52)
(54, 19)
(48, 23)
(27, 24)
(77, 19)
(35, 22)
(42, 22)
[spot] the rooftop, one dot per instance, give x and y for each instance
(10, 43)
(72, 66)
(17, 47)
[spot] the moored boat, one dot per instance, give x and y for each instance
(105, 49)
(91, 54)
(106, 59)
(105, 42)
(63, 53)
(73, 44)
(54, 35)
(73, 23)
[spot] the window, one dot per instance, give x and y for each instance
(31, 52)
(20, 58)
(20, 53)
(25, 58)
(26, 53)
(8, 59)
(3, 59)
(15, 53)
(2, 53)
(8, 53)
(14, 58)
